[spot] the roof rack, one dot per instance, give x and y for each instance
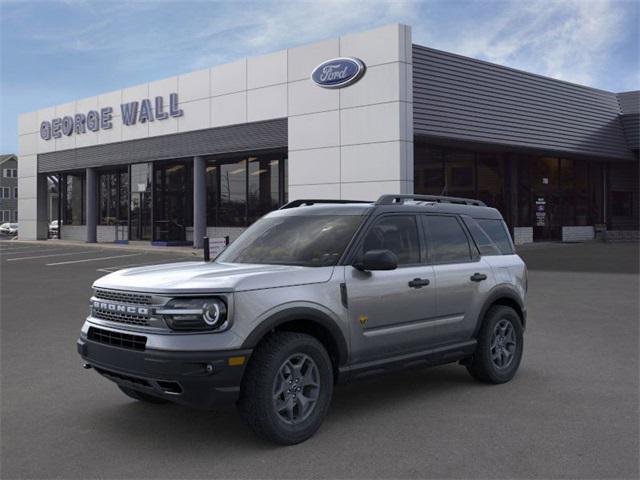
(301, 202)
(391, 199)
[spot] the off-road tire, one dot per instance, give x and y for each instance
(482, 366)
(256, 404)
(141, 396)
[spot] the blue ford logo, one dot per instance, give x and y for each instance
(338, 73)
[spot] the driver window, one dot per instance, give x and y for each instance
(397, 233)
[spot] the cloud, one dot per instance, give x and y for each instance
(569, 40)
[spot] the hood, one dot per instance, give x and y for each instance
(201, 277)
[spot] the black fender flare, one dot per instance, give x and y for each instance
(300, 313)
(498, 293)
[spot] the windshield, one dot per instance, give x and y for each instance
(310, 241)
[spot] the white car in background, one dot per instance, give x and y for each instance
(9, 228)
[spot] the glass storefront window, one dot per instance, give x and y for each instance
(490, 181)
(173, 200)
(113, 197)
(428, 170)
(543, 192)
(241, 190)
(73, 199)
(264, 186)
(460, 174)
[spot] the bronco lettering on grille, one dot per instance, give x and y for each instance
(114, 307)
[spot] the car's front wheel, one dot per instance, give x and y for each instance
(500, 345)
(287, 388)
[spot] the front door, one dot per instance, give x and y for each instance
(389, 310)
(546, 201)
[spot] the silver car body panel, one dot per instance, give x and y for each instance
(377, 313)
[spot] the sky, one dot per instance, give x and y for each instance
(55, 51)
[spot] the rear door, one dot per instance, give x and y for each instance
(389, 310)
(462, 277)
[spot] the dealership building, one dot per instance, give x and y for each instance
(208, 152)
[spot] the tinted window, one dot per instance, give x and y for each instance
(310, 241)
(499, 234)
(398, 234)
(482, 240)
(447, 240)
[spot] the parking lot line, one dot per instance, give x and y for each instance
(91, 259)
(40, 250)
(49, 255)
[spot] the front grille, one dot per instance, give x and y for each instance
(121, 317)
(119, 376)
(117, 339)
(124, 297)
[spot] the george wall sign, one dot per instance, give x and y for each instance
(339, 72)
(94, 120)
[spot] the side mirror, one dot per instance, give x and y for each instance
(377, 260)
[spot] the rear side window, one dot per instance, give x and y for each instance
(481, 238)
(446, 239)
(497, 231)
(397, 233)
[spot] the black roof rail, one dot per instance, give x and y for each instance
(299, 203)
(391, 199)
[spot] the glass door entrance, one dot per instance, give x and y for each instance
(140, 219)
(140, 213)
(546, 201)
(173, 200)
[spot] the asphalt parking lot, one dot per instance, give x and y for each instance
(571, 412)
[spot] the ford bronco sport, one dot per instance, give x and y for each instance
(316, 293)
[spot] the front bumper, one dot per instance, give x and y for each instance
(196, 379)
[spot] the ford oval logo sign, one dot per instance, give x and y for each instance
(338, 73)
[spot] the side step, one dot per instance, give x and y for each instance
(424, 358)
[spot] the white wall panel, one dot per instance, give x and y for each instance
(379, 84)
(320, 165)
(266, 103)
(371, 162)
(28, 144)
(327, 190)
(316, 130)
(267, 70)
(373, 190)
(229, 78)
(111, 99)
(372, 123)
(374, 47)
(303, 59)
(164, 127)
(229, 109)
(194, 85)
(197, 115)
(28, 123)
(306, 97)
(162, 88)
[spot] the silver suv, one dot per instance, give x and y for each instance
(317, 293)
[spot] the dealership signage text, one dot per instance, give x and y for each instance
(94, 120)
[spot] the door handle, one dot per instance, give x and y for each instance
(478, 277)
(419, 282)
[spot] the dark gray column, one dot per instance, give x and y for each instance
(199, 200)
(91, 205)
(42, 214)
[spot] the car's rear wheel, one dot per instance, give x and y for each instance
(141, 396)
(287, 388)
(500, 345)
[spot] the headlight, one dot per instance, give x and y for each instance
(195, 314)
